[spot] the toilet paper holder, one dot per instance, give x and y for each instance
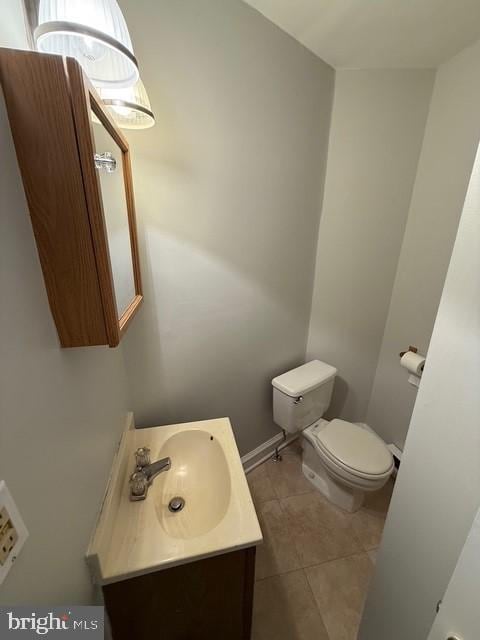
(410, 348)
(414, 363)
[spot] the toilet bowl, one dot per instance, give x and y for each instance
(343, 460)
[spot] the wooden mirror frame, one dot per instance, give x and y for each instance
(115, 326)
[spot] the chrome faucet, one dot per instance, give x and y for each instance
(145, 473)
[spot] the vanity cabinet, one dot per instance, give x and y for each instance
(209, 599)
(75, 167)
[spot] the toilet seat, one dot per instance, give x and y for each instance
(354, 449)
(352, 454)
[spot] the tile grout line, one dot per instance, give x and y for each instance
(316, 603)
(278, 575)
(318, 564)
(349, 555)
(292, 495)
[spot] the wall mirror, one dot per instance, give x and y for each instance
(112, 164)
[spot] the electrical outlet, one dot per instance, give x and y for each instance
(8, 539)
(3, 518)
(13, 532)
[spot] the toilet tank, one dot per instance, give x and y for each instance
(301, 396)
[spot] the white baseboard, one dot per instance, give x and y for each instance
(395, 450)
(264, 451)
(365, 426)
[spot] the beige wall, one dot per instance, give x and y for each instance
(375, 139)
(228, 187)
(61, 411)
(437, 492)
(449, 146)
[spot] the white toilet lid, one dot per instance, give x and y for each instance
(355, 447)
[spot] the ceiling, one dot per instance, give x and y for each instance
(377, 33)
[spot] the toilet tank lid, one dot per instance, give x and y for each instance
(304, 378)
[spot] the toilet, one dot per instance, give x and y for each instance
(341, 459)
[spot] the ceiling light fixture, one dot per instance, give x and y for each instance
(130, 107)
(92, 31)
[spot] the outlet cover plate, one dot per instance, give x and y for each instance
(6, 501)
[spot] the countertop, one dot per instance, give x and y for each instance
(134, 538)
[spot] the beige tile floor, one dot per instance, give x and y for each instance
(314, 567)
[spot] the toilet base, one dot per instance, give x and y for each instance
(340, 495)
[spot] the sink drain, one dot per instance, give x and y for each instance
(176, 504)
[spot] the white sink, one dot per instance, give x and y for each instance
(218, 516)
(200, 476)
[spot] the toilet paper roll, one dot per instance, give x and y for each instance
(413, 362)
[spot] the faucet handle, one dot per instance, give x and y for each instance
(142, 457)
(138, 486)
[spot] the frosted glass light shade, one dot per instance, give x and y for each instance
(92, 31)
(129, 107)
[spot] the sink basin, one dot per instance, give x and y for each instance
(199, 473)
(135, 538)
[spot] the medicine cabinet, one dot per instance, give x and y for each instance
(76, 172)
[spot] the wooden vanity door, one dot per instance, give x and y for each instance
(209, 599)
